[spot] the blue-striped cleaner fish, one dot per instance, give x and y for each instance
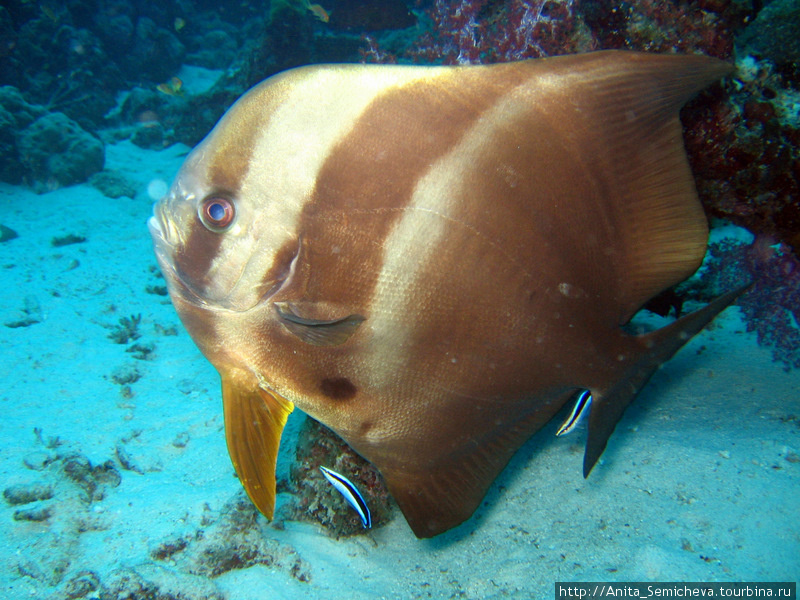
(433, 260)
(350, 493)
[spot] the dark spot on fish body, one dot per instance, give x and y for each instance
(338, 388)
(364, 428)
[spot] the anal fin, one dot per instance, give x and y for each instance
(439, 492)
(254, 422)
(659, 346)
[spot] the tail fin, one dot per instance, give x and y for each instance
(661, 345)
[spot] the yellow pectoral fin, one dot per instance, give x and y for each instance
(254, 421)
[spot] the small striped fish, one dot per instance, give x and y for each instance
(350, 492)
(583, 402)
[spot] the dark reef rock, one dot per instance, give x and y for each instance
(60, 501)
(153, 582)
(56, 152)
(7, 234)
(156, 54)
(215, 50)
(62, 68)
(774, 34)
(15, 114)
(290, 37)
(315, 500)
(27, 493)
(113, 184)
(81, 57)
(127, 583)
(142, 105)
(746, 156)
(74, 57)
(114, 23)
(149, 136)
(232, 538)
(357, 15)
(10, 168)
(81, 585)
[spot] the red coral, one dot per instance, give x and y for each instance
(696, 26)
(487, 31)
(772, 307)
(746, 160)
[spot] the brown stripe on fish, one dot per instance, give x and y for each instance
(362, 191)
(193, 259)
(367, 180)
(498, 174)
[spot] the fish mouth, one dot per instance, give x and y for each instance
(159, 228)
(156, 232)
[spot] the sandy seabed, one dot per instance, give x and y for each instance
(117, 481)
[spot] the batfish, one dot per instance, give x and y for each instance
(433, 260)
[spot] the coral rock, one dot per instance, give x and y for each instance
(113, 184)
(774, 34)
(57, 152)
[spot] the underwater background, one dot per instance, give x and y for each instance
(116, 480)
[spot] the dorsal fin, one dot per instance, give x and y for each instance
(631, 102)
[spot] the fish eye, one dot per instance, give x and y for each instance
(217, 213)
